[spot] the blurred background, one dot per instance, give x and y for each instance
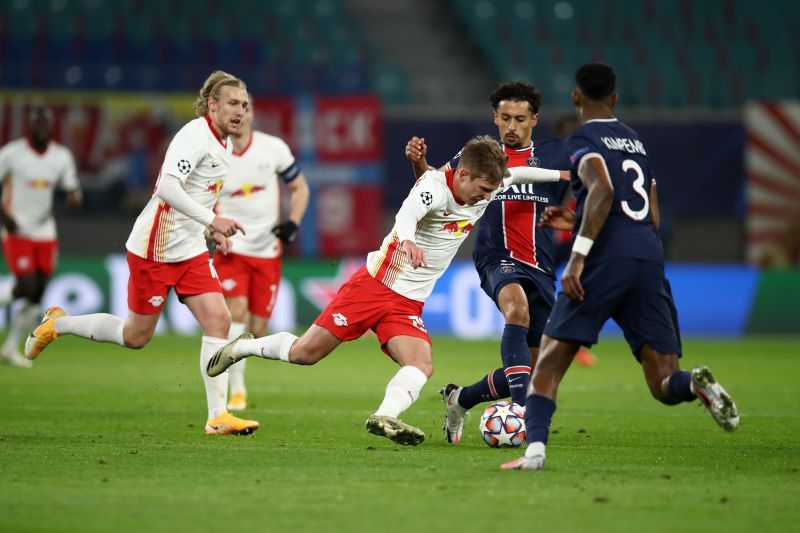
(710, 85)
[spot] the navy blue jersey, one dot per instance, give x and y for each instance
(628, 232)
(508, 229)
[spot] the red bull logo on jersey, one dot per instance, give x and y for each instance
(39, 184)
(247, 190)
(215, 188)
(460, 228)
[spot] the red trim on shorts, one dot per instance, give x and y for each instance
(216, 135)
(163, 208)
(450, 175)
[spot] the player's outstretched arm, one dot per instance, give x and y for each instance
(416, 149)
(521, 175)
(593, 173)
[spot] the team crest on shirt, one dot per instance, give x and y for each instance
(532, 161)
(215, 188)
(247, 190)
(156, 301)
(184, 167)
(39, 184)
(339, 319)
(460, 228)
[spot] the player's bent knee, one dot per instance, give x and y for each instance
(518, 315)
(136, 341)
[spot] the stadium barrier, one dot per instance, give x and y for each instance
(712, 300)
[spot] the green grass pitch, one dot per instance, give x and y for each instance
(96, 438)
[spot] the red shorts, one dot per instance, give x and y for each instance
(25, 256)
(365, 303)
(255, 278)
(150, 281)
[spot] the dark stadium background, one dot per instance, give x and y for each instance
(711, 87)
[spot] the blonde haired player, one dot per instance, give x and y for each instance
(250, 275)
(387, 295)
(167, 248)
(31, 168)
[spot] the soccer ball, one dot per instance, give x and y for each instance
(503, 425)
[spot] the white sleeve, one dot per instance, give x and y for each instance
(185, 152)
(5, 163)
(520, 175)
(69, 177)
(423, 198)
(170, 189)
(285, 164)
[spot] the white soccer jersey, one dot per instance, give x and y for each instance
(443, 224)
(199, 158)
(251, 194)
(33, 177)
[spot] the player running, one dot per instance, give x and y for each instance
(251, 274)
(387, 295)
(166, 248)
(31, 168)
(616, 270)
(514, 257)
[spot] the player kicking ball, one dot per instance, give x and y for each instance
(616, 270)
(167, 248)
(387, 294)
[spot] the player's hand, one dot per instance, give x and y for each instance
(416, 255)
(416, 149)
(286, 232)
(226, 226)
(571, 278)
(558, 218)
(9, 223)
(564, 175)
(223, 244)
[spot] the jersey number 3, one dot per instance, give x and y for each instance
(638, 188)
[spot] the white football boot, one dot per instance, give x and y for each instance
(716, 399)
(532, 460)
(454, 414)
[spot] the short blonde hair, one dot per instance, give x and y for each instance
(483, 156)
(211, 88)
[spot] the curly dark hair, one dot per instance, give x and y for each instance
(596, 80)
(517, 91)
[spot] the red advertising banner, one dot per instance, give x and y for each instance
(348, 128)
(349, 219)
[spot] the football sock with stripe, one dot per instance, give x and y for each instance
(680, 386)
(216, 387)
(401, 391)
(493, 386)
(236, 371)
(538, 415)
(516, 361)
(100, 327)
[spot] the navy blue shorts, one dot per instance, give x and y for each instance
(635, 293)
(539, 288)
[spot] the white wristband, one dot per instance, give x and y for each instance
(582, 245)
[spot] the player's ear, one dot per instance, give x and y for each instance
(576, 99)
(613, 100)
(496, 119)
(534, 119)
